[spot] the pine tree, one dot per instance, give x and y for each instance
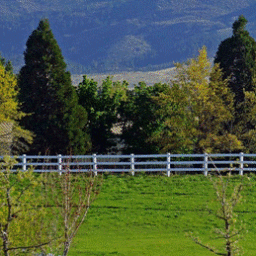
(237, 58)
(47, 95)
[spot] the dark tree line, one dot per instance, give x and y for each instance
(190, 114)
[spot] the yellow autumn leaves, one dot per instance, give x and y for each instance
(198, 109)
(10, 131)
(8, 96)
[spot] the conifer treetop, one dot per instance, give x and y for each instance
(239, 25)
(42, 46)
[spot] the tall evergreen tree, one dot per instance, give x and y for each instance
(47, 95)
(237, 58)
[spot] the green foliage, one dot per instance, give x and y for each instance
(24, 225)
(237, 58)
(102, 105)
(246, 125)
(42, 212)
(140, 118)
(8, 65)
(176, 130)
(46, 93)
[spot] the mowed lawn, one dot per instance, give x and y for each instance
(151, 215)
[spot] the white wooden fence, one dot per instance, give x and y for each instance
(168, 163)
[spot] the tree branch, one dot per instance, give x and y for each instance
(32, 246)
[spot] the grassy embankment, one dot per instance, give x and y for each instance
(150, 215)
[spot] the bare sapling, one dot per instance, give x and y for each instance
(228, 196)
(75, 193)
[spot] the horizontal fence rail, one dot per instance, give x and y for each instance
(168, 163)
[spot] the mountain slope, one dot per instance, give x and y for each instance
(118, 35)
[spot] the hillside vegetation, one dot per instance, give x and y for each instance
(128, 35)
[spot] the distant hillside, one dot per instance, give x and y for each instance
(102, 36)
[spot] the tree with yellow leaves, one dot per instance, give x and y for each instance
(10, 131)
(27, 224)
(176, 125)
(207, 109)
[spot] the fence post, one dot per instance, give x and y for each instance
(24, 162)
(205, 164)
(60, 164)
(132, 164)
(241, 163)
(168, 164)
(95, 164)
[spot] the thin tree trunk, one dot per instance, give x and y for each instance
(66, 248)
(6, 228)
(228, 244)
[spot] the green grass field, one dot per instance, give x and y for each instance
(150, 215)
